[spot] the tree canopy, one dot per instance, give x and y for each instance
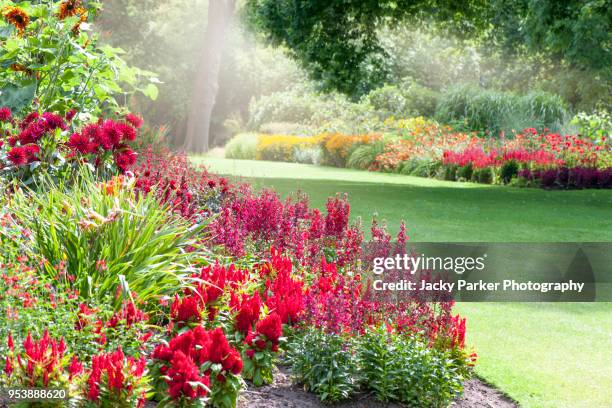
(337, 41)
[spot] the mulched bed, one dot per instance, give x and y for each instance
(283, 394)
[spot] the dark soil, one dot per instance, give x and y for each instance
(283, 394)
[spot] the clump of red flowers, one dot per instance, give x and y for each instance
(186, 362)
(117, 379)
(41, 363)
(47, 137)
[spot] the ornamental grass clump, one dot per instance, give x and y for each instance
(102, 237)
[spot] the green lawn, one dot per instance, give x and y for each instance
(438, 210)
(542, 355)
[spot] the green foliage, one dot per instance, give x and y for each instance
(55, 61)
(397, 368)
(419, 167)
(324, 364)
(308, 154)
(577, 31)
(402, 101)
(337, 41)
(242, 146)
(364, 155)
(103, 237)
(496, 111)
(465, 173)
(484, 175)
(508, 171)
(595, 126)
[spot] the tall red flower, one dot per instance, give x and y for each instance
(248, 312)
(271, 327)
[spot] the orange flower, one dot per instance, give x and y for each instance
(17, 17)
(69, 8)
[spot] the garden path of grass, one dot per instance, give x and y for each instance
(540, 354)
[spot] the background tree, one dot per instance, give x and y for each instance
(206, 86)
(337, 41)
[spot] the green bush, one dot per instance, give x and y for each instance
(465, 173)
(402, 101)
(106, 238)
(58, 63)
(484, 176)
(470, 108)
(242, 146)
(307, 154)
(508, 171)
(397, 368)
(324, 364)
(364, 155)
(419, 167)
(595, 126)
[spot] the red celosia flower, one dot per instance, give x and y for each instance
(233, 362)
(182, 374)
(43, 357)
(271, 327)
(75, 368)
(248, 312)
(220, 348)
(187, 309)
(112, 370)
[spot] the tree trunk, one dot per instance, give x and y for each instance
(197, 137)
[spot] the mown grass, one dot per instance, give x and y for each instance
(436, 210)
(540, 354)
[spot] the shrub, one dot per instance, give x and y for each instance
(508, 171)
(419, 167)
(364, 156)
(401, 369)
(596, 126)
(101, 238)
(325, 365)
(242, 146)
(465, 173)
(483, 175)
(494, 112)
(307, 154)
(282, 147)
(296, 106)
(543, 109)
(402, 101)
(337, 147)
(55, 63)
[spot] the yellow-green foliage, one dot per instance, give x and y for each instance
(242, 146)
(282, 147)
(337, 146)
